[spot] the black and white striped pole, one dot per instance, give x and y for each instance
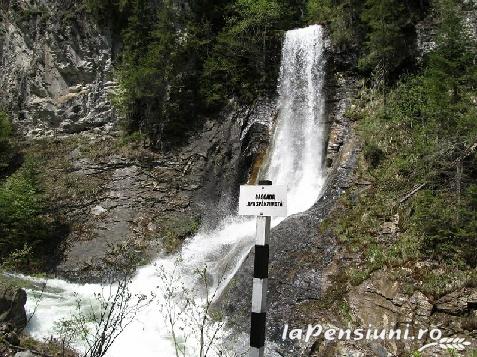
(260, 284)
(263, 201)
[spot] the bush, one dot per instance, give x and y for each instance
(373, 155)
(23, 227)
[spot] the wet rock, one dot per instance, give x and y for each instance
(256, 140)
(12, 305)
(228, 150)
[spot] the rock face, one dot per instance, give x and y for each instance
(56, 67)
(380, 302)
(124, 204)
(232, 148)
(12, 306)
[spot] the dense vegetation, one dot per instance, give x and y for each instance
(420, 155)
(28, 238)
(379, 33)
(178, 64)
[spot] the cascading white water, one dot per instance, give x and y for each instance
(297, 149)
(295, 159)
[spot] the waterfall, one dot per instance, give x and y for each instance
(295, 159)
(297, 147)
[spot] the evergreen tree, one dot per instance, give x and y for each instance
(452, 63)
(390, 39)
(244, 62)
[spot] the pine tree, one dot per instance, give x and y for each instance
(390, 37)
(452, 64)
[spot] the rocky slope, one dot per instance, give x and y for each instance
(124, 204)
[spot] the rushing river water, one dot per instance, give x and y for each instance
(295, 159)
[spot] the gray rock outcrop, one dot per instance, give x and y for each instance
(56, 72)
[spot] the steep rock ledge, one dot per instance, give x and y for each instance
(13, 317)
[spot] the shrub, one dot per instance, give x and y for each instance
(373, 155)
(23, 227)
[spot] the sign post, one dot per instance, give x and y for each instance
(263, 201)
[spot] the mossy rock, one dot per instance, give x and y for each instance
(175, 229)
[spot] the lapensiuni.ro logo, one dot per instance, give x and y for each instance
(433, 337)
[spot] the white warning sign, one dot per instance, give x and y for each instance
(263, 201)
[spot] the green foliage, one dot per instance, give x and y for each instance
(5, 126)
(450, 65)
(420, 160)
(390, 37)
(444, 279)
(245, 57)
(178, 64)
(373, 155)
(449, 228)
(17, 258)
(164, 49)
(342, 18)
(23, 229)
(174, 229)
(148, 70)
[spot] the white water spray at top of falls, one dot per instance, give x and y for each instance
(295, 159)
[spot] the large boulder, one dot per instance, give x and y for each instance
(12, 305)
